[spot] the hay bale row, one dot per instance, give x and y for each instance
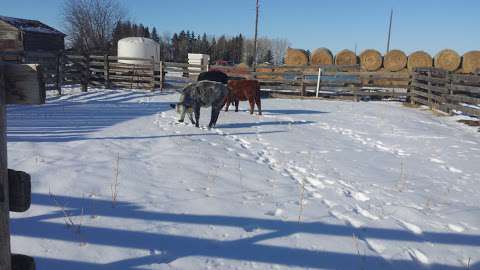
(393, 61)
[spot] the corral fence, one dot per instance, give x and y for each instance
(433, 87)
(446, 92)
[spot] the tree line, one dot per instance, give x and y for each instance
(96, 26)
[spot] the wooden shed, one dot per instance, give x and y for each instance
(29, 38)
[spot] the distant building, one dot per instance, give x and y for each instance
(29, 37)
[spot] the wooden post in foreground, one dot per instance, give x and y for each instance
(15, 187)
(5, 260)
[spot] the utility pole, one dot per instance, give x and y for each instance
(255, 39)
(389, 30)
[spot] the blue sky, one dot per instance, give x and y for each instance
(429, 25)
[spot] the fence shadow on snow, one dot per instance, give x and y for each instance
(175, 247)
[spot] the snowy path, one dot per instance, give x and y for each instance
(384, 187)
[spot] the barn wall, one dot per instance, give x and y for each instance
(43, 42)
(10, 38)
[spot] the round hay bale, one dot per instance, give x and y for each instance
(471, 61)
(296, 57)
(395, 60)
(321, 56)
(448, 60)
(371, 60)
(419, 59)
(345, 57)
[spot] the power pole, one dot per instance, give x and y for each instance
(389, 31)
(255, 39)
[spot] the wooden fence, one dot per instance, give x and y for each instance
(122, 72)
(447, 92)
(104, 70)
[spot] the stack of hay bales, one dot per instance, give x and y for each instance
(471, 62)
(395, 60)
(296, 57)
(448, 60)
(321, 56)
(419, 59)
(371, 60)
(346, 58)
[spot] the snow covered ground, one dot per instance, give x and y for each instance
(310, 184)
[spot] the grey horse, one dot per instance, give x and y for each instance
(201, 94)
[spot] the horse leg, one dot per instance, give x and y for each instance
(237, 101)
(259, 102)
(251, 100)
(196, 110)
(227, 103)
(214, 118)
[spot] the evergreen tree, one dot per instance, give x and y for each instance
(154, 35)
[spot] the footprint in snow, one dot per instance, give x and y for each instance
(359, 196)
(452, 169)
(375, 246)
(418, 256)
(438, 161)
(456, 228)
(347, 219)
(242, 155)
(409, 226)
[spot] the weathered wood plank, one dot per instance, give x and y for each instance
(434, 88)
(430, 79)
(465, 88)
(463, 98)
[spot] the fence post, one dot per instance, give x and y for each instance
(5, 260)
(449, 85)
(162, 75)
(429, 91)
(59, 71)
(85, 73)
(106, 72)
(152, 82)
(319, 80)
(302, 90)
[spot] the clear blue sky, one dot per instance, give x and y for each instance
(429, 25)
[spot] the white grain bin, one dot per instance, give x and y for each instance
(197, 59)
(138, 47)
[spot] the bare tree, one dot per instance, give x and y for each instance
(90, 23)
(279, 48)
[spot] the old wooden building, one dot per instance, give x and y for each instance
(29, 38)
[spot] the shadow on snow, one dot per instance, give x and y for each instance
(175, 247)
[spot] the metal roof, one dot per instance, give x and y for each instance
(31, 26)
